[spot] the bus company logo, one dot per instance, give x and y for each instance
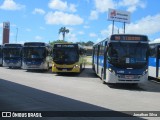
(113, 13)
(6, 114)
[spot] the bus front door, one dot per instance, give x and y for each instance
(158, 63)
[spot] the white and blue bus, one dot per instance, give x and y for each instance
(122, 58)
(154, 60)
(1, 58)
(12, 55)
(37, 56)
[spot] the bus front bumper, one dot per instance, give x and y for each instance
(66, 68)
(121, 78)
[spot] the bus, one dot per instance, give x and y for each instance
(12, 55)
(122, 58)
(37, 56)
(154, 60)
(68, 58)
(1, 60)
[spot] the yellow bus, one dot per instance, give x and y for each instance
(68, 58)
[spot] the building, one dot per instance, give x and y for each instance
(6, 31)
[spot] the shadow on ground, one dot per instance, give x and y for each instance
(17, 97)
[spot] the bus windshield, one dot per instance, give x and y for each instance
(34, 52)
(128, 55)
(12, 52)
(65, 55)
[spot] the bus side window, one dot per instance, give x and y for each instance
(152, 51)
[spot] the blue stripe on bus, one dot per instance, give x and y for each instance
(152, 61)
(127, 71)
(118, 70)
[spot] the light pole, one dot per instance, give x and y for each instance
(16, 34)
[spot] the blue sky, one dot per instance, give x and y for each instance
(40, 20)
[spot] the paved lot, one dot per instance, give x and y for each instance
(21, 90)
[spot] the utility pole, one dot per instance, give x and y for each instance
(16, 34)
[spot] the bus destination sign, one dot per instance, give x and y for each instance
(129, 38)
(65, 45)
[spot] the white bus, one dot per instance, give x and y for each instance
(37, 55)
(123, 58)
(12, 55)
(154, 60)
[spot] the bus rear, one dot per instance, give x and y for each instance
(12, 55)
(68, 58)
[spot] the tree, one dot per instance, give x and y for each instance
(89, 43)
(58, 41)
(63, 30)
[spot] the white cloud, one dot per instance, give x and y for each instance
(72, 8)
(11, 5)
(147, 25)
(132, 5)
(57, 4)
(81, 33)
(63, 18)
(38, 11)
(156, 40)
(104, 5)
(101, 6)
(71, 37)
(38, 37)
(62, 5)
(93, 15)
(107, 32)
(93, 35)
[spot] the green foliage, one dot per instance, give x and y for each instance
(89, 43)
(58, 41)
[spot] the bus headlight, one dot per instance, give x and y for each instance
(146, 71)
(76, 66)
(112, 71)
(53, 65)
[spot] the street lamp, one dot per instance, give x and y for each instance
(16, 34)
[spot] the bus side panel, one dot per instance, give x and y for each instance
(101, 65)
(158, 69)
(152, 67)
(98, 60)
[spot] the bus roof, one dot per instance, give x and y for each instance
(12, 45)
(35, 44)
(75, 44)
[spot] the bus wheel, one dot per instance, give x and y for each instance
(102, 77)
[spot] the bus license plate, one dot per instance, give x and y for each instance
(64, 69)
(129, 76)
(33, 66)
